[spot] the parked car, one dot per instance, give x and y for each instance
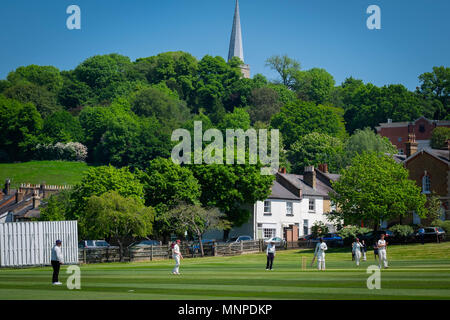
(333, 239)
(240, 238)
(278, 241)
(145, 243)
(308, 237)
(370, 237)
(87, 244)
(432, 234)
(195, 248)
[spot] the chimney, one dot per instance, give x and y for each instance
(19, 195)
(282, 170)
(389, 121)
(7, 187)
(36, 199)
(1, 195)
(411, 145)
(310, 176)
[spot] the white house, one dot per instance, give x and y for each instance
(295, 200)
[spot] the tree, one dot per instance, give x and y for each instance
(99, 180)
(319, 229)
(61, 126)
(434, 207)
(264, 103)
(238, 119)
(375, 188)
(169, 110)
(165, 185)
(314, 149)
(47, 77)
(231, 187)
(300, 118)
(439, 137)
(314, 85)
(436, 85)
(117, 217)
(285, 67)
(366, 141)
(20, 124)
(44, 100)
(57, 207)
(195, 219)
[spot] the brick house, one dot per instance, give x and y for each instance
(24, 203)
(398, 132)
(430, 168)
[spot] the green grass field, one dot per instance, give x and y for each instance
(52, 172)
(416, 272)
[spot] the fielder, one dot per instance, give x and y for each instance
(270, 252)
(176, 254)
(382, 252)
(321, 247)
(356, 249)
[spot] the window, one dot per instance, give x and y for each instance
(305, 227)
(400, 151)
(426, 184)
(267, 208)
(298, 229)
(269, 233)
(399, 139)
(422, 128)
(289, 209)
(312, 205)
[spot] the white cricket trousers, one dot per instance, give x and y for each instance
(357, 257)
(364, 256)
(176, 269)
(321, 263)
(383, 258)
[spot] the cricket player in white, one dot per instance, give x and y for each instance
(176, 254)
(357, 250)
(382, 252)
(321, 247)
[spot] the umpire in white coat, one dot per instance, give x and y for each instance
(57, 260)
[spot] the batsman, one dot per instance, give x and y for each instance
(319, 253)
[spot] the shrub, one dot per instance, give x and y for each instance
(349, 233)
(402, 231)
(319, 229)
(70, 151)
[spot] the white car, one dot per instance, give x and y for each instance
(277, 240)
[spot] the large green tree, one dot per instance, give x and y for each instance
(286, 68)
(300, 118)
(118, 218)
(375, 188)
(20, 123)
(314, 85)
(436, 85)
(231, 187)
(314, 149)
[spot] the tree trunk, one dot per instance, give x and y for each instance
(375, 226)
(201, 244)
(120, 250)
(226, 233)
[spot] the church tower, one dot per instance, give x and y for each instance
(236, 48)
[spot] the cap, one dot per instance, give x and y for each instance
(178, 240)
(58, 241)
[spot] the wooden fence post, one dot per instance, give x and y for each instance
(242, 247)
(84, 255)
(151, 252)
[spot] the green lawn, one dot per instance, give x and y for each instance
(416, 272)
(36, 172)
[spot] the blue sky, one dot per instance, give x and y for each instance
(329, 34)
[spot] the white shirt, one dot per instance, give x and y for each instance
(320, 248)
(270, 248)
(57, 254)
(357, 246)
(381, 244)
(176, 249)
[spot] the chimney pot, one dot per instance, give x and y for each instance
(7, 187)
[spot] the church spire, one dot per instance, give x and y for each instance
(236, 48)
